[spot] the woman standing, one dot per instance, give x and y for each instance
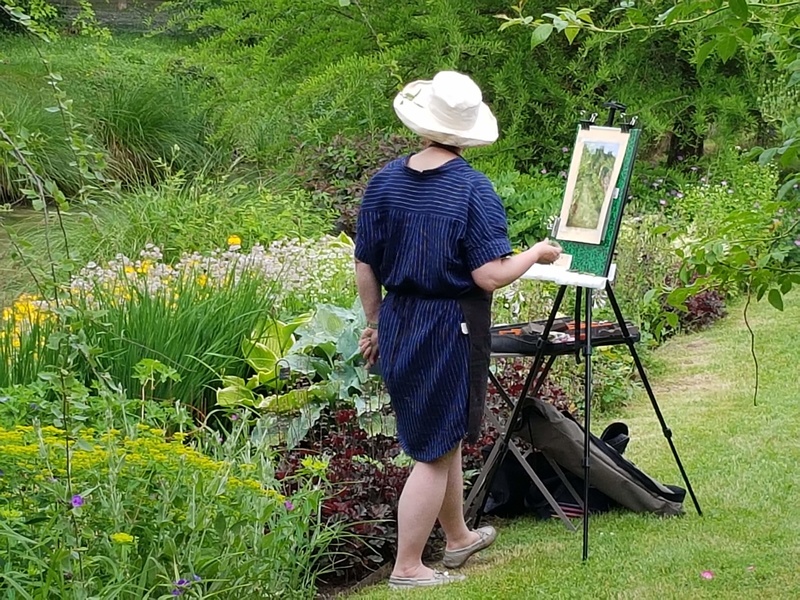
(432, 232)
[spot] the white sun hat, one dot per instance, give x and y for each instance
(448, 109)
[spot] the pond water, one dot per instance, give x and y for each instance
(14, 278)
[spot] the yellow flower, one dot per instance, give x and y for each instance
(10, 514)
(234, 240)
(315, 465)
(202, 279)
(122, 538)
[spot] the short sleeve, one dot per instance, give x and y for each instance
(369, 241)
(487, 228)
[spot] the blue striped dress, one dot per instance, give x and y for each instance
(422, 233)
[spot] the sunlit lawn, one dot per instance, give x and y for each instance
(743, 461)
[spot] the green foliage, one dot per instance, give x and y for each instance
(646, 263)
(339, 170)
(152, 517)
(41, 134)
(142, 121)
(531, 203)
(300, 368)
(180, 325)
(199, 214)
(764, 36)
(363, 52)
(753, 249)
(117, 102)
(704, 207)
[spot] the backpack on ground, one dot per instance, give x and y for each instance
(615, 481)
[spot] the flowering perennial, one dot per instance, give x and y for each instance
(316, 270)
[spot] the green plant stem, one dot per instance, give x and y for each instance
(680, 22)
(752, 341)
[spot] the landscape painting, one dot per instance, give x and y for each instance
(591, 184)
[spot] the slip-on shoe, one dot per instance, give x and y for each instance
(438, 578)
(455, 558)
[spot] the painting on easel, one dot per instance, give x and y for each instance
(591, 184)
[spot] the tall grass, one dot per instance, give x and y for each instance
(142, 121)
(192, 327)
(198, 215)
(45, 141)
(24, 331)
(126, 97)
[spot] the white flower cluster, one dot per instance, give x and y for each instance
(314, 270)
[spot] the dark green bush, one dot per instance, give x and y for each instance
(531, 202)
(338, 171)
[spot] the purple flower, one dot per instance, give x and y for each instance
(177, 592)
(679, 195)
(662, 202)
(288, 504)
(797, 243)
(543, 171)
(680, 157)
(565, 149)
(562, 174)
(197, 578)
(182, 583)
(707, 574)
(234, 417)
(77, 500)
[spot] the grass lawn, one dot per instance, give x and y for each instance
(741, 459)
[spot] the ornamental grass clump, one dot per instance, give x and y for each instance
(135, 514)
(191, 315)
(24, 329)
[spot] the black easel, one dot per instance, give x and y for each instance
(537, 375)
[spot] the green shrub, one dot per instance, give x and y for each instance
(532, 202)
(340, 169)
(131, 515)
(736, 185)
(646, 262)
(197, 215)
(123, 95)
(303, 72)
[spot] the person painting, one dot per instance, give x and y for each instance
(432, 233)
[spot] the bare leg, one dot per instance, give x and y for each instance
(419, 505)
(451, 516)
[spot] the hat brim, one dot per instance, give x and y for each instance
(411, 106)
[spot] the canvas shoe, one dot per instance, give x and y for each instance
(455, 558)
(438, 578)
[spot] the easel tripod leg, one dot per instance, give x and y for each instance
(646, 383)
(587, 352)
